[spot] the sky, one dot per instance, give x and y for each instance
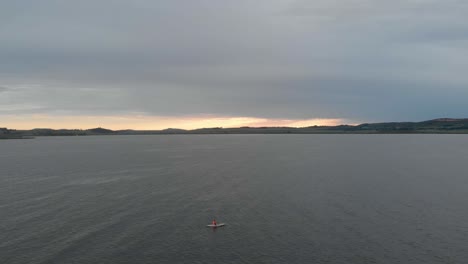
(154, 64)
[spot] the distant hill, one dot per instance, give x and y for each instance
(434, 126)
(6, 133)
(441, 125)
(99, 130)
(174, 131)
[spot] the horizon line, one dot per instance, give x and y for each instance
(446, 119)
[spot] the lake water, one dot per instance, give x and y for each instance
(285, 199)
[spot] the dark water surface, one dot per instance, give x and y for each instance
(286, 199)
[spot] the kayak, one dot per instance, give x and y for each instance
(218, 225)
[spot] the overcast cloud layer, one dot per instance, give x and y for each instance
(363, 60)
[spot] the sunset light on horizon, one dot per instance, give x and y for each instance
(145, 122)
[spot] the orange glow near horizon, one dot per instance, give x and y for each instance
(145, 122)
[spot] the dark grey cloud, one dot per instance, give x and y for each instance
(355, 59)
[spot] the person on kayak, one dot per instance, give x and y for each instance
(214, 222)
